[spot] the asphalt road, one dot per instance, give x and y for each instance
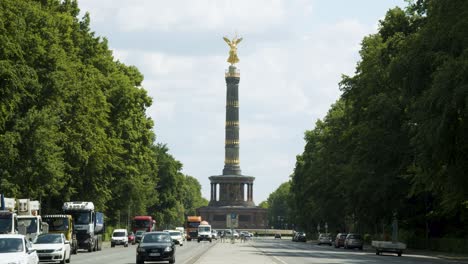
(189, 253)
(259, 251)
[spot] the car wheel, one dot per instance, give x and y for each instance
(139, 261)
(399, 254)
(69, 259)
(377, 252)
(112, 245)
(172, 260)
(63, 260)
(126, 245)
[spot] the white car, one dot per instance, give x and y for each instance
(52, 247)
(119, 237)
(16, 249)
(214, 234)
(176, 236)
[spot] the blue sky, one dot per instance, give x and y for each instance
(291, 60)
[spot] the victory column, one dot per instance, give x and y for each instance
(235, 196)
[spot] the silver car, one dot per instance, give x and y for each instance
(325, 239)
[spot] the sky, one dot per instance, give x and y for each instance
(292, 57)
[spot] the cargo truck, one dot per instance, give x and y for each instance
(8, 217)
(28, 216)
(192, 227)
(143, 222)
(88, 224)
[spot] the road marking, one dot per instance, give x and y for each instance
(195, 258)
(280, 260)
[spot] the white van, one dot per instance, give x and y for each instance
(119, 237)
(204, 233)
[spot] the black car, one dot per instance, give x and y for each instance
(156, 246)
(138, 235)
(300, 237)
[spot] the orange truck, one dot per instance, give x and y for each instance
(192, 227)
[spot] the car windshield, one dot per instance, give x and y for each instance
(49, 239)
(204, 229)
(355, 236)
(5, 224)
(81, 217)
(174, 233)
(142, 223)
(156, 238)
(118, 234)
(58, 224)
(139, 233)
(29, 223)
(9, 245)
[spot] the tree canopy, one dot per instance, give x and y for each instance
(73, 123)
(396, 142)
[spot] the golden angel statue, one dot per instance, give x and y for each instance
(233, 59)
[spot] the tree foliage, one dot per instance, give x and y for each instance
(396, 141)
(73, 123)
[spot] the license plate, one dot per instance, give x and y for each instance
(154, 254)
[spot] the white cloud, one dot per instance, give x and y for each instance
(187, 15)
(287, 82)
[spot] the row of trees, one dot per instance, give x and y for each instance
(72, 120)
(396, 142)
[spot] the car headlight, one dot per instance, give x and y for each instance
(141, 250)
(58, 249)
(168, 249)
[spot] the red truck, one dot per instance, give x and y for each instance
(143, 222)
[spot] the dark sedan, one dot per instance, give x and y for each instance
(138, 235)
(156, 246)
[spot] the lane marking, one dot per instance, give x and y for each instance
(195, 258)
(280, 260)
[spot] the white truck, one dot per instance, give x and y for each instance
(8, 217)
(29, 218)
(204, 232)
(89, 224)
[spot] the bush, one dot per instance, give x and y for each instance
(367, 238)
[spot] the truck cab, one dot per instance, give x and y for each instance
(8, 217)
(88, 224)
(29, 219)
